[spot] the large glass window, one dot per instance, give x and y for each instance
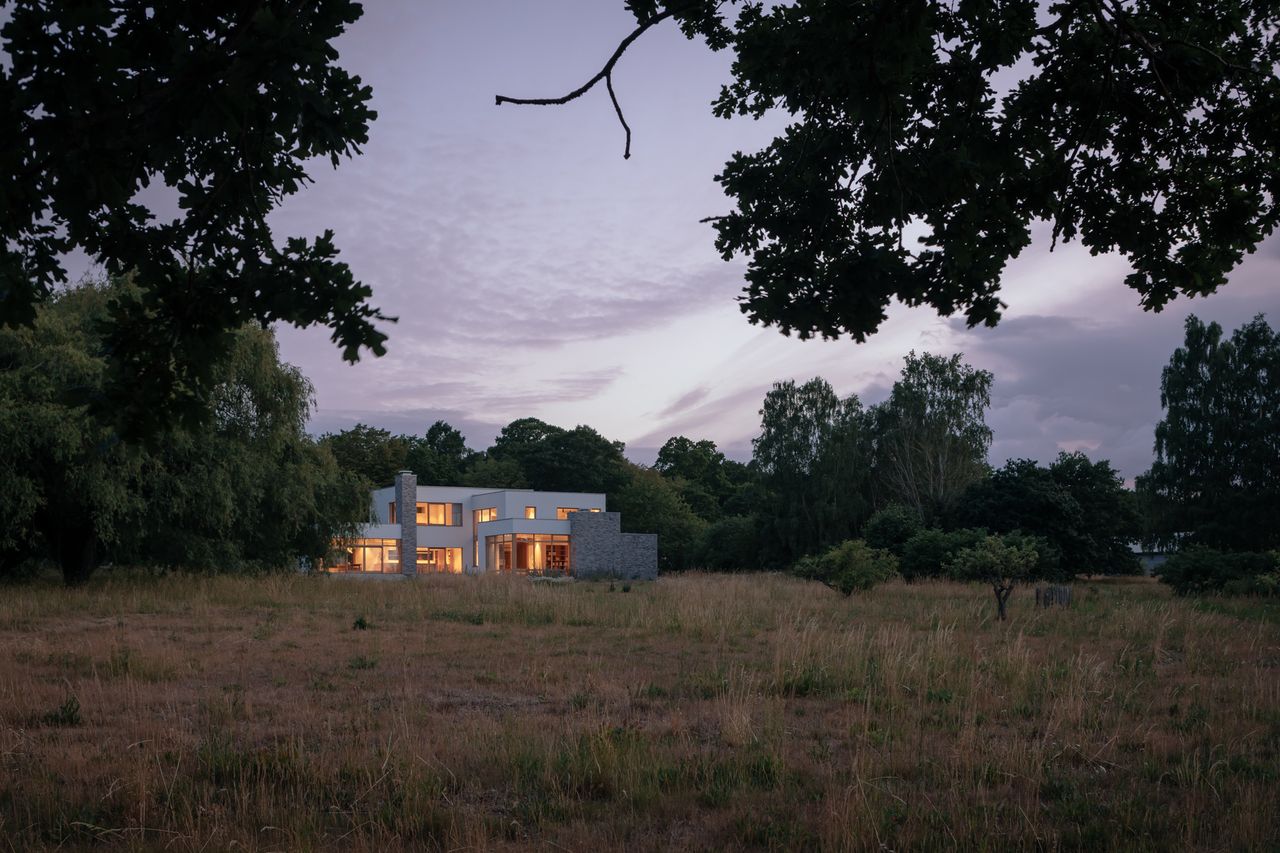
(538, 553)
(369, 555)
(562, 512)
(440, 514)
(440, 560)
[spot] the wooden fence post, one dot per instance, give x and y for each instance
(1053, 595)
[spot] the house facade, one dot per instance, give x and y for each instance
(457, 529)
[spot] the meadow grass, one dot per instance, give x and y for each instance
(699, 712)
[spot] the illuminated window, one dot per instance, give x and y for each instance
(487, 514)
(537, 553)
(562, 512)
(531, 512)
(440, 514)
(391, 513)
(368, 555)
(447, 560)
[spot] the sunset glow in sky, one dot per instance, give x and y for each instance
(537, 273)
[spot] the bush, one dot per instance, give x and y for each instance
(1204, 570)
(891, 527)
(925, 554)
(849, 566)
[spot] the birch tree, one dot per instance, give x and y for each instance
(931, 438)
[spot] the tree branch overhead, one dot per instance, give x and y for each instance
(605, 74)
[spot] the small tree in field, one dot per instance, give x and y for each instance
(999, 562)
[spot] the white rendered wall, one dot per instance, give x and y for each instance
(510, 505)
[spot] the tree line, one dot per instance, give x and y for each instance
(243, 486)
(824, 470)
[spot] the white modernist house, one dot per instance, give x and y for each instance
(470, 530)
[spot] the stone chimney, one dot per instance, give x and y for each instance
(407, 515)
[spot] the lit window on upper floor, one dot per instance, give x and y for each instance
(531, 512)
(487, 514)
(440, 514)
(562, 512)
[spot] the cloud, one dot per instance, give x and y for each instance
(709, 417)
(1070, 383)
(685, 400)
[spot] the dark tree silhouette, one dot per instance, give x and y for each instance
(222, 103)
(1140, 128)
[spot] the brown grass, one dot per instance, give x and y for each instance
(700, 712)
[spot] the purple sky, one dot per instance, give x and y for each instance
(537, 273)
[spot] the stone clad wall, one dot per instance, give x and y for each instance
(407, 515)
(593, 543)
(638, 556)
(599, 548)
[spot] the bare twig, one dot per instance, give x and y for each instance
(605, 74)
(608, 84)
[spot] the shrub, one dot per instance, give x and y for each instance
(891, 527)
(1205, 570)
(926, 553)
(849, 566)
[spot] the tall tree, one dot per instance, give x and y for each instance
(931, 434)
(1108, 516)
(1216, 477)
(650, 503)
(70, 484)
(581, 460)
(225, 105)
(701, 473)
(246, 486)
(812, 457)
(373, 453)
(557, 459)
(1139, 128)
(1078, 507)
(440, 456)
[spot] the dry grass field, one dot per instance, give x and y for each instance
(700, 712)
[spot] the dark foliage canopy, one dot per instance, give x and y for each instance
(219, 105)
(929, 138)
(1216, 478)
(812, 456)
(244, 488)
(1078, 506)
(1199, 570)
